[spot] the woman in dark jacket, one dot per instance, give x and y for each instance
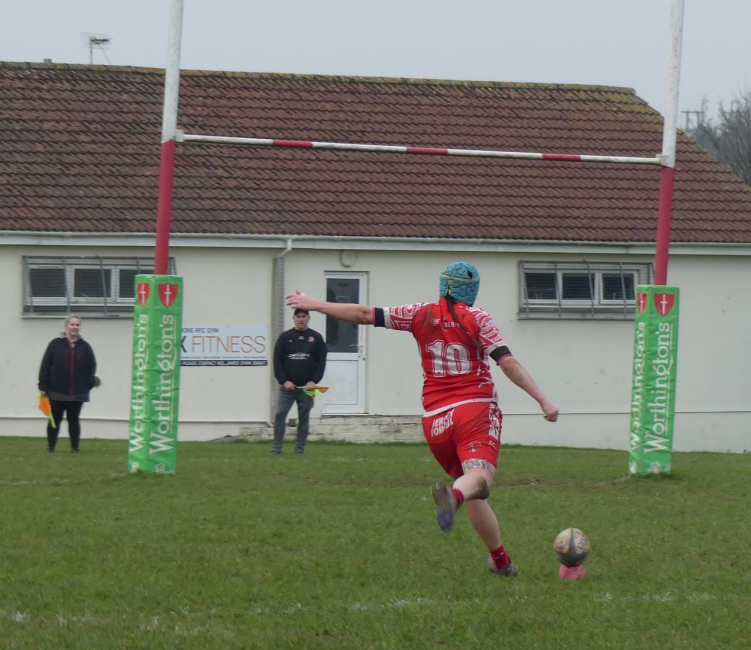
(67, 374)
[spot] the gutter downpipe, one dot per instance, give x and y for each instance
(278, 277)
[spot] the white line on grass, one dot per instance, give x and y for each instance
(667, 597)
(153, 623)
(64, 481)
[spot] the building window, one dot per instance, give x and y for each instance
(580, 290)
(94, 286)
(92, 283)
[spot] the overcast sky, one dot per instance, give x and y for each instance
(608, 42)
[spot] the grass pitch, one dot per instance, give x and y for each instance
(339, 549)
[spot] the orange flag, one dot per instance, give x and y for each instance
(318, 390)
(46, 408)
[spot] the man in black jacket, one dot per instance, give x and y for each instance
(66, 375)
(299, 362)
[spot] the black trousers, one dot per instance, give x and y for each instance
(72, 410)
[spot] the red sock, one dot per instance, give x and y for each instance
(458, 496)
(500, 557)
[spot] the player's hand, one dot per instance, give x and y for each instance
(288, 386)
(550, 410)
(298, 300)
(311, 385)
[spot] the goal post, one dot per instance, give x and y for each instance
(654, 367)
(158, 308)
(147, 439)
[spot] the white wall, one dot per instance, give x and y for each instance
(713, 403)
(223, 287)
(583, 366)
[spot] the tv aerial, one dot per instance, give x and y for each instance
(96, 41)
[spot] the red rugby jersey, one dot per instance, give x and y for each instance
(455, 355)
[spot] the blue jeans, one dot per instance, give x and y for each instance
(304, 403)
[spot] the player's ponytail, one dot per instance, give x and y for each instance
(450, 301)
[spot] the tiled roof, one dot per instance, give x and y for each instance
(80, 146)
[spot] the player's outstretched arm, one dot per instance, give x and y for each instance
(519, 375)
(350, 312)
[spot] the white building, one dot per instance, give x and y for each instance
(560, 246)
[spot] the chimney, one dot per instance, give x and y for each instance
(48, 60)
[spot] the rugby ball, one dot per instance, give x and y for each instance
(571, 547)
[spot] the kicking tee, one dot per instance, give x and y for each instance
(454, 348)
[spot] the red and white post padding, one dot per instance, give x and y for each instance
(423, 151)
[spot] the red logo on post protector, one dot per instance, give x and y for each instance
(664, 303)
(168, 294)
(641, 302)
(142, 291)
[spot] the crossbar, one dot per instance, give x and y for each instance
(423, 151)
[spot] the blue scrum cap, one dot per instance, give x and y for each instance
(460, 281)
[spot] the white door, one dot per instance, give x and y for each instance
(345, 364)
